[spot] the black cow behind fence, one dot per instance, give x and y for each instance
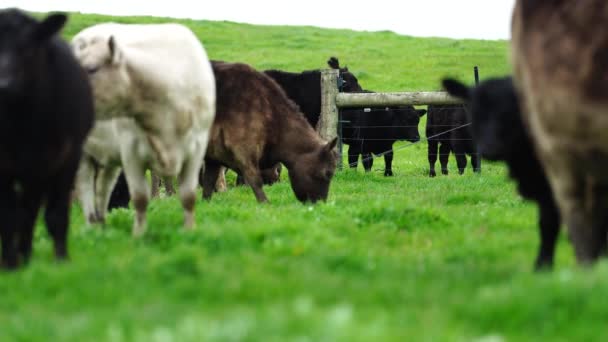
(447, 130)
(370, 131)
(304, 88)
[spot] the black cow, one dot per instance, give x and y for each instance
(120, 197)
(304, 88)
(370, 131)
(446, 129)
(500, 134)
(46, 112)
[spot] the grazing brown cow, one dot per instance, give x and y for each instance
(257, 126)
(560, 55)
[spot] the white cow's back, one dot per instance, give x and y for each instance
(170, 58)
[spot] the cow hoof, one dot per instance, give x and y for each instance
(96, 219)
(432, 173)
(388, 173)
(444, 172)
(543, 265)
(9, 265)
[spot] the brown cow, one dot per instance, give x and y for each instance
(257, 126)
(560, 55)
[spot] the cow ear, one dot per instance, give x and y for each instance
(50, 26)
(421, 112)
(114, 54)
(333, 63)
(457, 89)
(331, 145)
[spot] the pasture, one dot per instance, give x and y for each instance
(384, 259)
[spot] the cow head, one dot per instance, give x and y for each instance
(350, 83)
(495, 115)
(23, 40)
(311, 174)
(100, 55)
(405, 120)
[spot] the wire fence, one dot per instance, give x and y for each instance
(444, 134)
(410, 144)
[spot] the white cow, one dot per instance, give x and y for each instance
(159, 77)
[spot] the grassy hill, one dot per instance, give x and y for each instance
(382, 61)
(406, 258)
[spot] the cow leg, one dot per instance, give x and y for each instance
(155, 180)
(187, 187)
(30, 203)
(432, 146)
(388, 163)
(209, 177)
(353, 155)
(444, 155)
(368, 161)
(587, 222)
(239, 179)
(220, 184)
(57, 211)
(460, 155)
(583, 204)
(8, 226)
(85, 182)
(106, 179)
(169, 188)
(248, 165)
(139, 188)
(549, 222)
(476, 161)
(56, 216)
(253, 177)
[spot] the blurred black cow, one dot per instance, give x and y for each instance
(46, 112)
(500, 134)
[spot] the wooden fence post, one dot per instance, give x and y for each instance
(328, 119)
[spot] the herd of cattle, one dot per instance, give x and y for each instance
(134, 98)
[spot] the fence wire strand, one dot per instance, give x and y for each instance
(372, 156)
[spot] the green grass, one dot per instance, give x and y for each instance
(406, 258)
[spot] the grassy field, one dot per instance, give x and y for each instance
(406, 258)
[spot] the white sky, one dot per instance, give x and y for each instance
(481, 19)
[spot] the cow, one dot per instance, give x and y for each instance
(560, 73)
(447, 130)
(499, 132)
(304, 88)
(370, 131)
(257, 126)
(156, 82)
(46, 112)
